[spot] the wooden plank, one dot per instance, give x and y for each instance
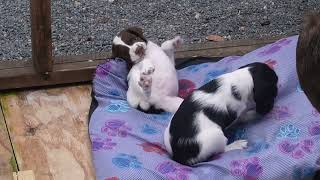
(9, 64)
(41, 36)
(218, 52)
(7, 160)
(62, 74)
(81, 68)
(103, 55)
(24, 175)
(49, 131)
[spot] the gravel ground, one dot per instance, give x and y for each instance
(82, 26)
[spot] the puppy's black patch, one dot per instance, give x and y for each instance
(183, 153)
(211, 86)
(235, 93)
(182, 125)
(151, 110)
(182, 128)
(222, 118)
(265, 87)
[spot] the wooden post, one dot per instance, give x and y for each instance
(41, 36)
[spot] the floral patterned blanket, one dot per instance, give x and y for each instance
(128, 144)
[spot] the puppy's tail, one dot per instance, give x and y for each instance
(308, 58)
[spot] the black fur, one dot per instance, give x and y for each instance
(151, 110)
(93, 106)
(182, 128)
(235, 93)
(265, 86)
(220, 117)
(211, 86)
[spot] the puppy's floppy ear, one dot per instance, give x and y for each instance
(265, 87)
(136, 31)
(119, 51)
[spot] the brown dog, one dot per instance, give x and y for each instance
(308, 62)
(308, 59)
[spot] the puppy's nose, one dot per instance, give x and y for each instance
(140, 51)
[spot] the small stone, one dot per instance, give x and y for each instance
(77, 3)
(265, 23)
(195, 39)
(241, 28)
(227, 37)
(215, 38)
(197, 16)
(90, 38)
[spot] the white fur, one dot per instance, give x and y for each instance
(164, 89)
(167, 139)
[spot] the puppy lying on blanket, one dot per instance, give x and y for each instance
(196, 131)
(152, 78)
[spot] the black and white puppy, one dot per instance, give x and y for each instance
(196, 131)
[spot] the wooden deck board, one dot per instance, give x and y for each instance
(7, 160)
(49, 131)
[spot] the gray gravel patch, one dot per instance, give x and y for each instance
(82, 26)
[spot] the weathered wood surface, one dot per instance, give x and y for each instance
(41, 36)
(49, 131)
(24, 175)
(70, 69)
(7, 160)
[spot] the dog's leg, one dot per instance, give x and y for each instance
(134, 93)
(144, 105)
(145, 80)
(239, 144)
(171, 45)
(133, 99)
(145, 83)
(168, 103)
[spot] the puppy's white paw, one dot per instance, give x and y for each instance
(177, 42)
(145, 82)
(239, 144)
(144, 105)
(148, 70)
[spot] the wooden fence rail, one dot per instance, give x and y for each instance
(44, 69)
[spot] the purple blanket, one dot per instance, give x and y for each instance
(128, 144)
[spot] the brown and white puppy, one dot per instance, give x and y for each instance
(152, 78)
(130, 45)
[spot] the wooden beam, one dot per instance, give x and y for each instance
(61, 74)
(41, 36)
(70, 69)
